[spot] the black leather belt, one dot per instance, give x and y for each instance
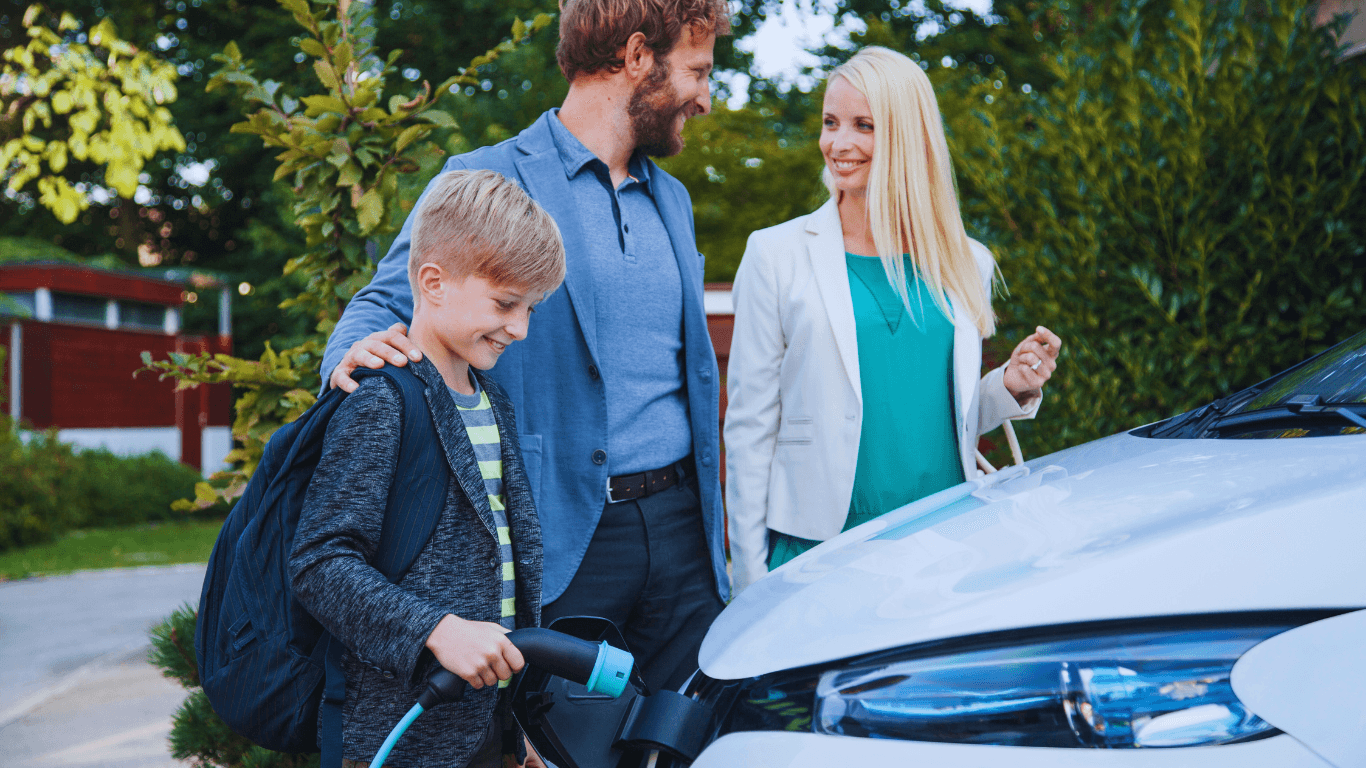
(642, 484)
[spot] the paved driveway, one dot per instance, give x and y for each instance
(75, 685)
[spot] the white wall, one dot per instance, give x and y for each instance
(718, 303)
(214, 442)
(127, 441)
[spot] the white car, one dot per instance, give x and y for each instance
(1189, 593)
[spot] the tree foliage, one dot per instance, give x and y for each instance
(1182, 205)
(745, 161)
(342, 150)
(214, 205)
(65, 103)
(1016, 37)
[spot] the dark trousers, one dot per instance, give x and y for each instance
(647, 569)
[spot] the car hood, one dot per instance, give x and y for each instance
(1122, 527)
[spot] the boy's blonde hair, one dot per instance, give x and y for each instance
(912, 199)
(480, 223)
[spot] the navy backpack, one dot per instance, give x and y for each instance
(268, 667)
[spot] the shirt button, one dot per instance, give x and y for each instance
(593, 372)
(706, 459)
(599, 457)
(705, 373)
(626, 227)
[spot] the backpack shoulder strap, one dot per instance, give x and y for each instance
(418, 491)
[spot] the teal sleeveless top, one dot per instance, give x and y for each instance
(907, 447)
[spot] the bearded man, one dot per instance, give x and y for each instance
(616, 387)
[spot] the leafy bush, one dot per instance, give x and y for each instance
(198, 734)
(30, 485)
(48, 488)
(1183, 205)
(111, 490)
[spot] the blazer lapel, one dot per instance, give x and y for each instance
(450, 428)
(826, 250)
(542, 172)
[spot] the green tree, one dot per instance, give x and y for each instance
(214, 205)
(210, 204)
(343, 151)
(64, 105)
(745, 170)
(1182, 205)
(1017, 37)
(342, 146)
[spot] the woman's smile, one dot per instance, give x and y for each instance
(847, 136)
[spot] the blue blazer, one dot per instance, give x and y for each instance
(562, 408)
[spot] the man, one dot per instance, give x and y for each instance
(616, 388)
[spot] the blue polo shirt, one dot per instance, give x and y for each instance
(638, 295)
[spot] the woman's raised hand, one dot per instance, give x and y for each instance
(1032, 364)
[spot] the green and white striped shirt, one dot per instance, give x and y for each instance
(482, 429)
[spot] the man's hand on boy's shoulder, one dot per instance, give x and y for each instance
(477, 651)
(373, 351)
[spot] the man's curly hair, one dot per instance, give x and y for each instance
(592, 32)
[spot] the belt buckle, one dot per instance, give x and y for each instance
(611, 500)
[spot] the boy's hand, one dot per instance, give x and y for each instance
(477, 651)
(372, 351)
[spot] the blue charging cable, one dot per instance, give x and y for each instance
(395, 735)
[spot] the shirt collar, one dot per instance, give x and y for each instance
(575, 155)
(572, 152)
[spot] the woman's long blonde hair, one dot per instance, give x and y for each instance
(912, 200)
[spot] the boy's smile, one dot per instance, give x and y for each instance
(459, 323)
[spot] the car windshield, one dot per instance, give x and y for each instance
(1337, 376)
(1323, 396)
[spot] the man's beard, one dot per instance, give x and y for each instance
(653, 109)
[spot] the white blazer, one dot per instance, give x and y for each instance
(795, 406)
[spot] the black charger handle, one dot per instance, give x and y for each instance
(559, 654)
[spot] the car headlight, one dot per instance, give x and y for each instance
(1095, 688)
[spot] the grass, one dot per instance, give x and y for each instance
(149, 544)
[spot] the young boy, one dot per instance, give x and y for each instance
(483, 254)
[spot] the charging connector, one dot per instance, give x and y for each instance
(601, 668)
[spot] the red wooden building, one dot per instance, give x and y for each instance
(74, 337)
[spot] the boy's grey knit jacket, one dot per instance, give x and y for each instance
(384, 626)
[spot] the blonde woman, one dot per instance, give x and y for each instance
(854, 382)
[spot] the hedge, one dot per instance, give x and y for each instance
(1183, 206)
(47, 488)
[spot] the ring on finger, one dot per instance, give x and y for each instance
(1036, 365)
